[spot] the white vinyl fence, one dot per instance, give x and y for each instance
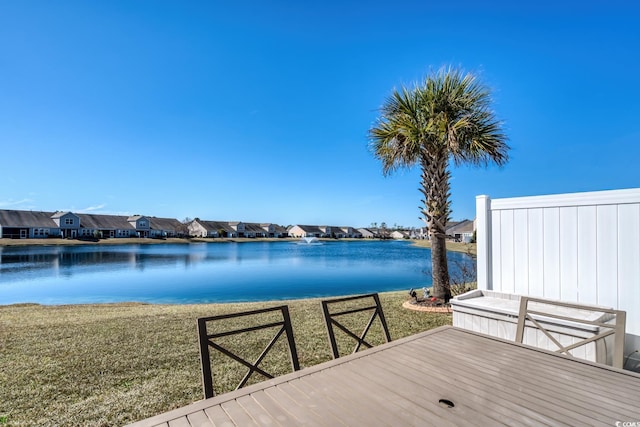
(579, 247)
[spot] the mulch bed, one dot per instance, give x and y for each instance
(427, 305)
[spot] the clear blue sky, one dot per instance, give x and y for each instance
(259, 110)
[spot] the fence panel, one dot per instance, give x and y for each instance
(579, 247)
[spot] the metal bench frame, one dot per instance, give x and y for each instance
(330, 322)
(208, 340)
(617, 329)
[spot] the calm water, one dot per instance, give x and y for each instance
(203, 273)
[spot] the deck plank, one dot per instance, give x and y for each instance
(237, 414)
(218, 416)
(199, 419)
(180, 422)
(282, 416)
(298, 408)
(348, 405)
(391, 406)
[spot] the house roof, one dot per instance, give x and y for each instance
(309, 228)
(11, 218)
(215, 225)
(279, 229)
(164, 223)
(365, 232)
(15, 218)
(105, 222)
(252, 226)
(465, 226)
(60, 214)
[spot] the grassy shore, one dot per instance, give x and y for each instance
(110, 364)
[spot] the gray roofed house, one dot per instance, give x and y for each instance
(39, 224)
(275, 230)
(366, 233)
(254, 230)
(16, 224)
(305, 231)
(462, 231)
(202, 228)
(170, 226)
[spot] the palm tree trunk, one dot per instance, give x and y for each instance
(436, 191)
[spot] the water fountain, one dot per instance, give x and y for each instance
(309, 241)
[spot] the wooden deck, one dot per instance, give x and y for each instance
(490, 381)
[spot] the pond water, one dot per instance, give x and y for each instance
(210, 272)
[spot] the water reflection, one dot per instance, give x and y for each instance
(207, 272)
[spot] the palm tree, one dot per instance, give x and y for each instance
(446, 118)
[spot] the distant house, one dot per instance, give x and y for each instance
(399, 234)
(35, 224)
(200, 228)
(15, 224)
(239, 229)
(332, 232)
(419, 233)
(461, 231)
(165, 227)
(273, 230)
(366, 233)
(351, 232)
(298, 231)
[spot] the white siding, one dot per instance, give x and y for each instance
(581, 247)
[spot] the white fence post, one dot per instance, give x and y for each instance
(483, 241)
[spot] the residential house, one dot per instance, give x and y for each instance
(351, 232)
(366, 233)
(399, 234)
(461, 231)
(253, 230)
(275, 230)
(37, 224)
(15, 224)
(165, 227)
(272, 230)
(201, 228)
(298, 231)
(332, 232)
(418, 233)
(239, 228)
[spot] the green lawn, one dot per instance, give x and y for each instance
(111, 364)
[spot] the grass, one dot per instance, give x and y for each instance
(468, 248)
(111, 364)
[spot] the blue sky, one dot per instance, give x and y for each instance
(259, 110)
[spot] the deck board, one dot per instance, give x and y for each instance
(198, 419)
(548, 382)
(218, 416)
(491, 382)
(237, 414)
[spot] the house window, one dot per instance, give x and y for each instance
(142, 223)
(68, 221)
(40, 232)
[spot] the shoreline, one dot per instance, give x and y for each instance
(469, 248)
